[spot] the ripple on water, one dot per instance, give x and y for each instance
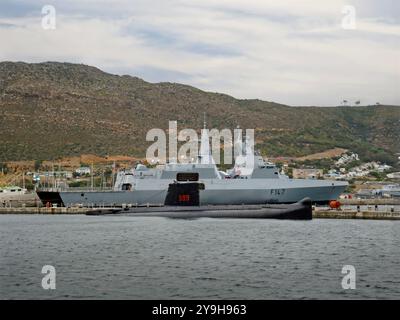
(155, 258)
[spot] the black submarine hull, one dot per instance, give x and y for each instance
(49, 198)
(301, 210)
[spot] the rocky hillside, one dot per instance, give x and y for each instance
(49, 110)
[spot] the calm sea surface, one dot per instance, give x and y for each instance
(158, 258)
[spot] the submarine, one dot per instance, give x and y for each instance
(183, 201)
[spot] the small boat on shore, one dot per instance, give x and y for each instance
(11, 191)
(14, 196)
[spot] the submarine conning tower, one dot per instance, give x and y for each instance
(185, 191)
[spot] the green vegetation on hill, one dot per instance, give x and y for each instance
(49, 110)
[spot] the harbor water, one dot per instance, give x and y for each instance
(106, 257)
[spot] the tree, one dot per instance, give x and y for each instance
(3, 167)
(379, 176)
(38, 164)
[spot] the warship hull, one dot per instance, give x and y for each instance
(215, 193)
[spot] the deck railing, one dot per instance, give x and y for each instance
(76, 189)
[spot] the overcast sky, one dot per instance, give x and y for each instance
(287, 51)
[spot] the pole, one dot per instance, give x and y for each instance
(91, 182)
(112, 175)
(54, 178)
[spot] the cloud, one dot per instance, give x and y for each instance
(293, 52)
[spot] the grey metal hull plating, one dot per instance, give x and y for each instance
(217, 193)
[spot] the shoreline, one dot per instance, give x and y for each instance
(320, 213)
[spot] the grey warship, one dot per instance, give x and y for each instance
(251, 181)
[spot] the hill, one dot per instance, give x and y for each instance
(52, 110)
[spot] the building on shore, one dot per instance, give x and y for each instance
(307, 173)
(393, 175)
(83, 170)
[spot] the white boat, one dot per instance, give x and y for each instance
(15, 195)
(11, 191)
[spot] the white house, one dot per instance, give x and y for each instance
(83, 170)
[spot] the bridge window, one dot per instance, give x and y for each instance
(187, 176)
(127, 186)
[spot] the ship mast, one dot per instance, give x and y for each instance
(205, 156)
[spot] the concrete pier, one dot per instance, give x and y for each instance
(370, 202)
(354, 214)
(44, 210)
